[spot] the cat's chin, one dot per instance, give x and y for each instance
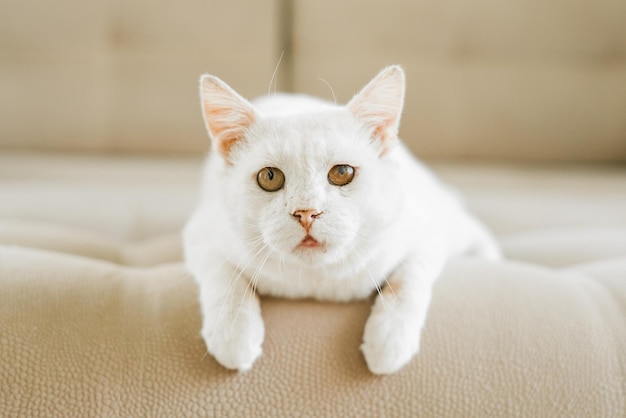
(311, 243)
(313, 253)
(310, 251)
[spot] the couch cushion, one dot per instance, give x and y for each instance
(82, 337)
(120, 198)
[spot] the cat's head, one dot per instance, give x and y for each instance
(315, 185)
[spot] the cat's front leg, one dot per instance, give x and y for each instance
(232, 327)
(393, 330)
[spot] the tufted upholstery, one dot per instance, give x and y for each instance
(109, 75)
(98, 317)
(523, 80)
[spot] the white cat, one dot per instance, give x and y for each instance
(302, 198)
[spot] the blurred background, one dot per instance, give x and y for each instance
(529, 80)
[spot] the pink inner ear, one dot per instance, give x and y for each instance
(226, 113)
(381, 132)
(227, 125)
(379, 105)
(383, 120)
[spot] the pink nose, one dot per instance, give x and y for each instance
(306, 217)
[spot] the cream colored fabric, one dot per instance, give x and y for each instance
(522, 79)
(123, 75)
(86, 338)
(98, 317)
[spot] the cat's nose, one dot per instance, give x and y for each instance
(306, 217)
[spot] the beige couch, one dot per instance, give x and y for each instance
(101, 143)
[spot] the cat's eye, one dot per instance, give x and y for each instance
(341, 174)
(270, 179)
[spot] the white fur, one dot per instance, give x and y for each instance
(392, 227)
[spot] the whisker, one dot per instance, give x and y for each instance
(233, 282)
(390, 287)
(273, 79)
(257, 274)
(330, 88)
(374, 282)
(251, 281)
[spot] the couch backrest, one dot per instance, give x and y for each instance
(523, 79)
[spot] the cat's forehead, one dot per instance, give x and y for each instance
(324, 135)
(304, 126)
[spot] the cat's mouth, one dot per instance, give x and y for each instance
(311, 243)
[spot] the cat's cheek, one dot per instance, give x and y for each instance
(344, 227)
(282, 238)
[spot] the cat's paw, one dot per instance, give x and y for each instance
(236, 343)
(389, 343)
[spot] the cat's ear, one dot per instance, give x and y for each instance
(379, 105)
(227, 115)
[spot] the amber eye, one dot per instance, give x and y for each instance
(270, 179)
(340, 175)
